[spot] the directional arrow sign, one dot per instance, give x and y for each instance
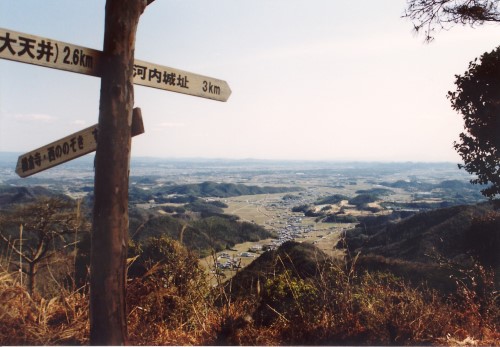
(65, 56)
(50, 53)
(67, 148)
(163, 77)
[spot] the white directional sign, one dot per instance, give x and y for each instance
(163, 77)
(67, 148)
(65, 56)
(50, 53)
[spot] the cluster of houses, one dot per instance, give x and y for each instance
(293, 229)
(230, 263)
(288, 229)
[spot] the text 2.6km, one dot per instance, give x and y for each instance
(77, 58)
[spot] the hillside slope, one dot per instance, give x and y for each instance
(301, 259)
(10, 195)
(198, 232)
(413, 247)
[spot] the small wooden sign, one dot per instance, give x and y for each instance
(68, 148)
(60, 55)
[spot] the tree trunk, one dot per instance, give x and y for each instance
(108, 316)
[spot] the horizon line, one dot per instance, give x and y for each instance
(250, 159)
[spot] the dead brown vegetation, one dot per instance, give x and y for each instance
(338, 305)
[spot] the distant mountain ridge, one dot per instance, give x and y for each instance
(223, 190)
(204, 190)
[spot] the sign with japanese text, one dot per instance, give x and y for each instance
(174, 80)
(66, 149)
(50, 53)
(59, 55)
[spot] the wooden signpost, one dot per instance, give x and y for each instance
(68, 148)
(118, 69)
(60, 55)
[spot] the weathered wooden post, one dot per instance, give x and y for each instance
(108, 316)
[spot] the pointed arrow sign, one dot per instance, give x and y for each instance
(68, 148)
(60, 55)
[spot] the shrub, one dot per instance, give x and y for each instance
(168, 285)
(290, 299)
(477, 304)
(300, 208)
(392, 312)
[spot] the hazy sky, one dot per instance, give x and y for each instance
(315, 79)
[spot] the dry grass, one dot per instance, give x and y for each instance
(339, 306)
(37, 321)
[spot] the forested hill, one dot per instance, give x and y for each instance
(413, 246)
(206, 189)
(222, 190)
(199, 234)
(10, 195)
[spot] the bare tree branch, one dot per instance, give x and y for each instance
(429, 15)
(13, 247)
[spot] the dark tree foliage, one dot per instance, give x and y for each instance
(483, 239)
(362, 199)
(427, 15)
(477, 98)
(301, 208)
(331, 199)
